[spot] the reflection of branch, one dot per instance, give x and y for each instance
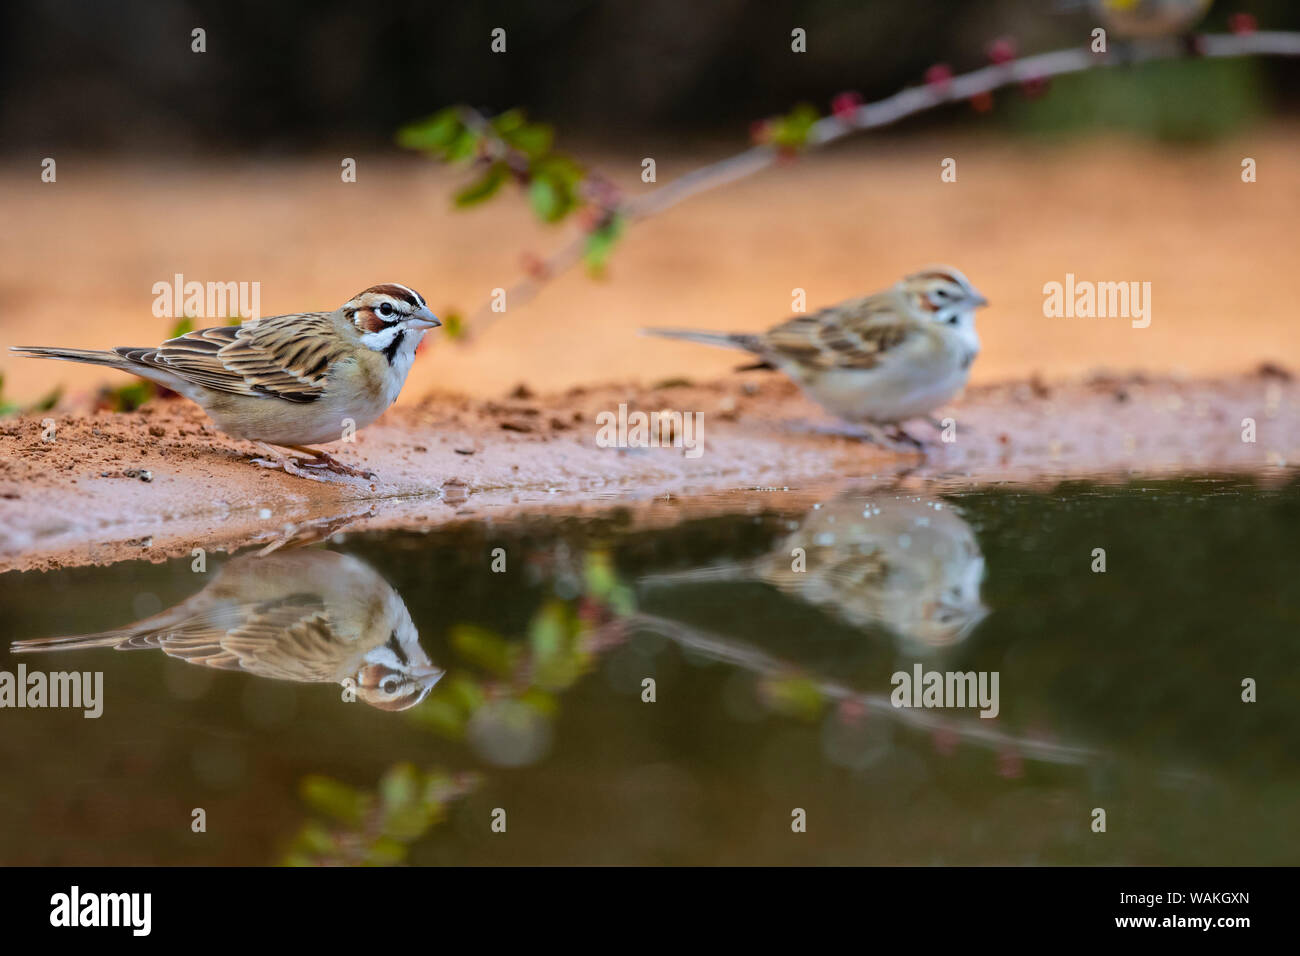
(906, 102)
(753, 659)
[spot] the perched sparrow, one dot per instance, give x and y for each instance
(1144, 19)
(877, 360)
(290, 380)
(308, 616)
(910, 565)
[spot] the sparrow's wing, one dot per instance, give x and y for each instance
(857, 334)
(284, 356)
(288, 638)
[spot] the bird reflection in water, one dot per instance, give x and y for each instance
(307, 616)
(908, 564)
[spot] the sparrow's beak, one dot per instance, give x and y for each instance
(979, 301)
(423, 319)
(427, 673)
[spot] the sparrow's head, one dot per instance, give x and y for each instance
(397, 674)
(386, 315)
(944, 294)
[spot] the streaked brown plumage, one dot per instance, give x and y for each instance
(307, 616)
(290, 380)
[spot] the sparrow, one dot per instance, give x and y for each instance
(305, 616)
(1146, 19)
(287, 380)
(911, 565)
(876, 360)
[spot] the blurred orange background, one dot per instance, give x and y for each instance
(81, 255)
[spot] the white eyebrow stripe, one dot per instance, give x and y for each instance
(415, 295)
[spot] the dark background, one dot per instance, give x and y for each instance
(295, 75)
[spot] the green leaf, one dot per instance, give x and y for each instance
(181, 327)
(385, 852)
(534, 140)
(546, 198)
(129, 397)
(791, 130)
(453, 324)
(482, 647)
(796, 697)
(399, 786)
(434, 133)
(484, 187)
(600, 243)
(334, 799)
(48, 402)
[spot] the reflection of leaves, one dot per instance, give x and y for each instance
(558, 657)
(373, 829)
(336, 800)
(603, 584)
(798, 697)
(485, 648)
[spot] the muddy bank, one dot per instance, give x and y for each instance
(155, 483)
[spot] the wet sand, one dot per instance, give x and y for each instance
(156, 483)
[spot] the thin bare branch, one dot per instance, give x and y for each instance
(906, 102)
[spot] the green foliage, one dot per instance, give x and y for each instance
(790, 132)
(127, 398)
(40, 405)
(483, 188)
(185, 325)
(793, 696)
(1192, 100)
(356, 827)
(600, 243)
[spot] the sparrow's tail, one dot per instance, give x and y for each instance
(726, 340)
(74, 643)
(90, 356)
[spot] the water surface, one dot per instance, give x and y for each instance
(497, 672)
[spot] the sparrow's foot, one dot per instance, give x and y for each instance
(900, 436)
(289, 466)
(322, 460)
(330, 463)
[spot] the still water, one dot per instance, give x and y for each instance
(715, 687)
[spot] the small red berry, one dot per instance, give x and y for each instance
(1002, 50)
(845, 106)
(983, 102)
(760, 131)
(533, 265)
(1243, 23)
(852, 710)
(939, 75)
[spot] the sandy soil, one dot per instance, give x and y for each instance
(80, 265)
(156, 483)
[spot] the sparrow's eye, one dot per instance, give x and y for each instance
(385, 308)
(389, 685)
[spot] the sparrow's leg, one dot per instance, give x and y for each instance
(898, 434)
(283, 463)
(939, 426)
(326, 460)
